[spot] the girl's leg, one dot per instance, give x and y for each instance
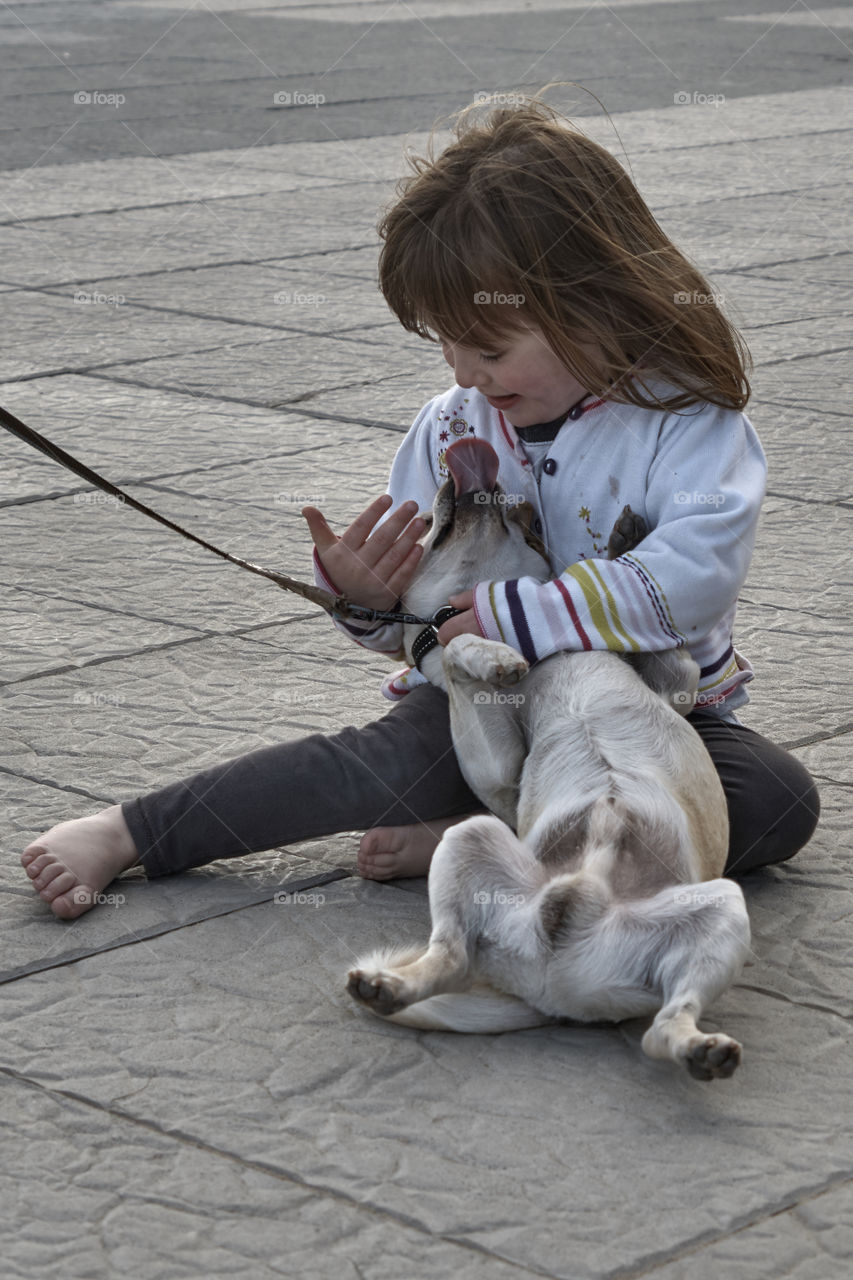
(398, 770)
(772, 798)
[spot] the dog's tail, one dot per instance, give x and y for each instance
(479, 1010)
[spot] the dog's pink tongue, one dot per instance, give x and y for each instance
(473, 465)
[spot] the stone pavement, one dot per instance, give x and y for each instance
(190, 306)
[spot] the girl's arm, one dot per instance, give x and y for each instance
(703, 495)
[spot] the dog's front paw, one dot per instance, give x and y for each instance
(491, 661)
(380, 990)
(628, 531)
(713, 1057)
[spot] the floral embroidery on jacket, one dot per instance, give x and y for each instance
(459, 427)
(584, 514)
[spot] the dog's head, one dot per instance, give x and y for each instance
(476, 533)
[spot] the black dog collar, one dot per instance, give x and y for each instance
(428, 638)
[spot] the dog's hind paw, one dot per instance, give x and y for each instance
(380, 991)
(713, 1057)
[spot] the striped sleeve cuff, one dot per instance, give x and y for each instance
(590, 606)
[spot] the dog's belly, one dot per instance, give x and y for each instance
(596, 732)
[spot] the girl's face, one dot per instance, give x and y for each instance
(521, 376)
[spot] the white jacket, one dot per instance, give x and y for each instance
(697, 477)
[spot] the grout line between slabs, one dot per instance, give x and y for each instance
(692, 1250)
(56, 786)
(134, 938)
(274, 332)
(825, 735)
(196, 266)
(396, 1219)
(156, 648)
(289, 406)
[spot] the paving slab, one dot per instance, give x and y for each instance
(820, 380)
(98, 326)
(139, 433)
(730, 234)
(789, 607)
(775, 296)
(132, 241)
(802, 442)
(52, 190)
(831, 758)
(812, 336)
(830, 271)
(342, 1119)
(302, 293)
(95, 549)
(809, 1241)
(45, 632)
(96, 1194)
(735, 129)
(278, 371)
(396, 400)
(128, 726)
(736, 163)
(86, 552)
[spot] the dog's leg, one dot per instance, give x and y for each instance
(701, 943)
(480, 874)
(484, 721)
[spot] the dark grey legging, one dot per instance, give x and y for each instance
(402, 769)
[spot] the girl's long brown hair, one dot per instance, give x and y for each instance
(525, 220)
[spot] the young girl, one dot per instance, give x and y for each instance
(593, 357)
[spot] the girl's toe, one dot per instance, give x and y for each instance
(73, 903)
(49, 873)
(58, 885)
(37, 862)
(379, 866)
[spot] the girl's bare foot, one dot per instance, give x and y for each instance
(74, 861)
(388, 852)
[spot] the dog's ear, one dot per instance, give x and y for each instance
(427, 518)
(524, 513)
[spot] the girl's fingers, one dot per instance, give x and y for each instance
(385, 555)
(401, 578)
(319, 529)
(359, 531)
(402, 524)
(373, 546)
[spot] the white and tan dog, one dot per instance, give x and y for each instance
(595, 891)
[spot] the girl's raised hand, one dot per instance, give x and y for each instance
(372, 569)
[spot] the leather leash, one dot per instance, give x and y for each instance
(336, 606)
